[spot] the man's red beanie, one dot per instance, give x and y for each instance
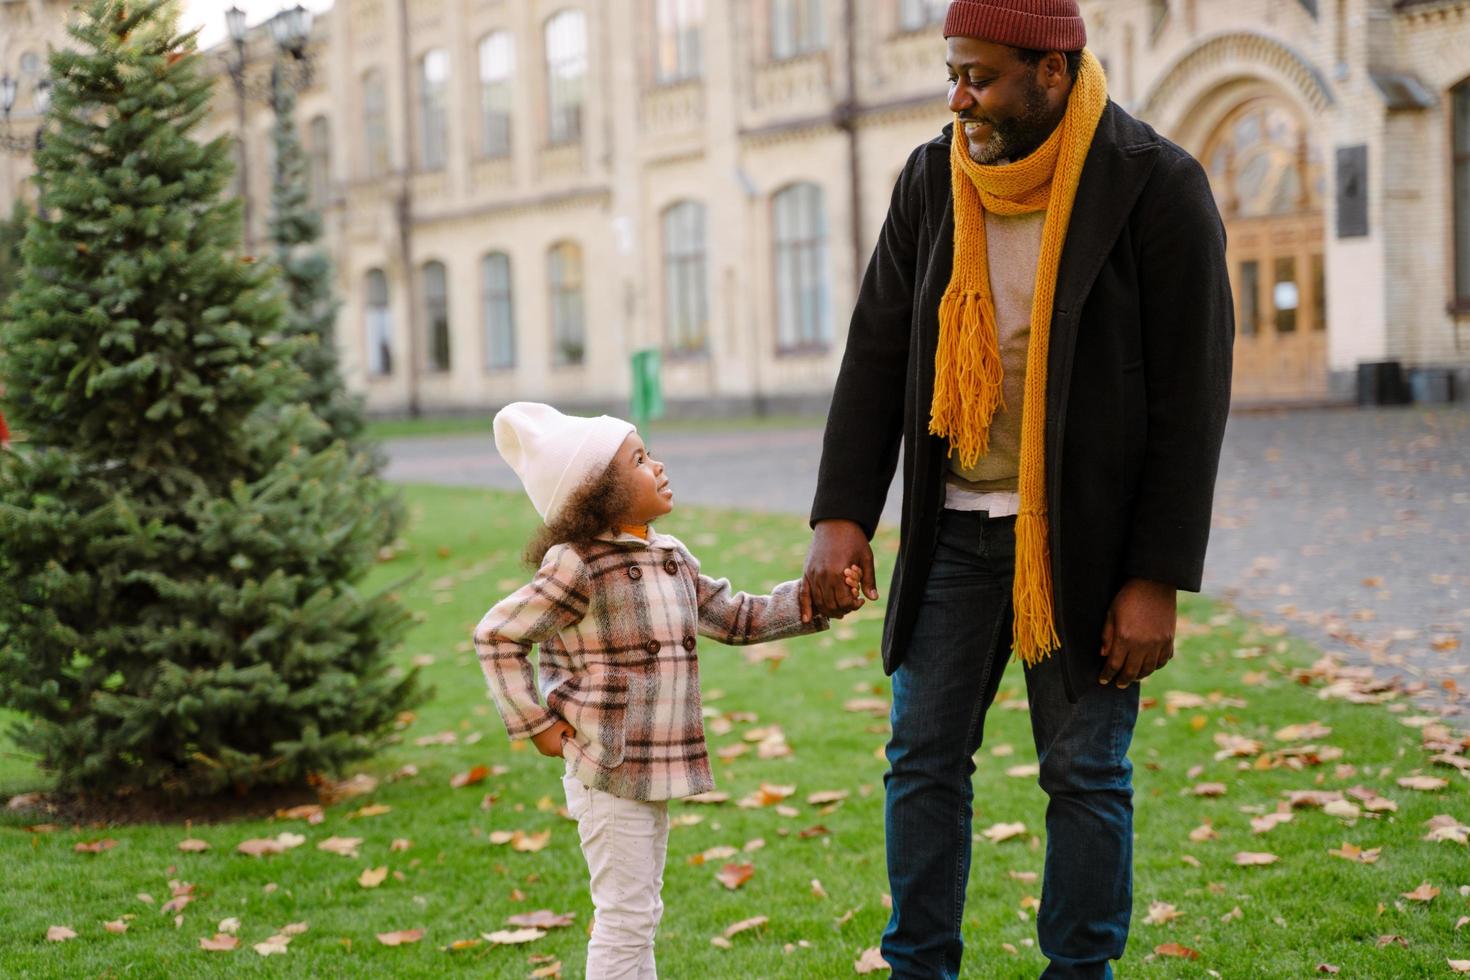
(1038, 25)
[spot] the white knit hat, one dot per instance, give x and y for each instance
(554, 454)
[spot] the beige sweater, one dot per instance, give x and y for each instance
(1014, 244)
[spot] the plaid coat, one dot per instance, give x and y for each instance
(617, 621)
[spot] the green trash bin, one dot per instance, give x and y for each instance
(647, 398)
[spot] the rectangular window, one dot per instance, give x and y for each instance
(1319, 293)
(1461, 100)
(797, 28)
(686, 301)
(802, 295)
(379, 326)
(500, 330)
(497, 68)
(1286, 295)
(1250, 298)
(568, 317)
(433, 111)
(436, 313)
(320, 135)
(914, 15)
(678, 25)
(566, 75)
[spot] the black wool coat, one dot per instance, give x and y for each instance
(1138, 383)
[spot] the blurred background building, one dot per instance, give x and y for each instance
(521, 193)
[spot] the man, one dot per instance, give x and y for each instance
(1046, 328)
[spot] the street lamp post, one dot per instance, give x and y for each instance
(25, 145)
(290, 29)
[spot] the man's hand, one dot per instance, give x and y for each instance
(548, 740)
(1138, 636)
(836, 546)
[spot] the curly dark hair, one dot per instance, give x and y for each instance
(594, 507)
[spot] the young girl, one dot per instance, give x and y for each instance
(616, 608)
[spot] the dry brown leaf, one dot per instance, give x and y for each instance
(331, 791)
(744, 925)
(1023, 772)
(1004, 831)
(1328, 968)
(193, 845)
(1232, 915)
(463, 944)
(222, 942)
(1203, 833)
(542, 919)
(95, 846)
(1160, 913)
(1176, 951)
(1462, 921)
(274, 946)
(400, 844)
(512, 937)
(344, 846)
(732, 876)
(310, 812)
(469, 778)
(60, 934)
(1301, 733)
(817, 890)
(711, 798)
(1025, 877)
(552, 969)
(1248, 859)
(1311, 797)
(529, 843)
(1391, 940)
(373, 810)
(372, 877)
(1424, 893)
(117, 926)
(827, 797)
(400, 937)
(230, 926)
(1269, 821)
(1352, 852)
(1235, 746)
(1209, 789)
(1459, 966)
(871, 961)
(1426, 784)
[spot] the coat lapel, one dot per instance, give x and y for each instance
(1118, 165)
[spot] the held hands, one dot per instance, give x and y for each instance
(839, 571)
(1138, 636)
(548, 741)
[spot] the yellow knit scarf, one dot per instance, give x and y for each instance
(967, 366)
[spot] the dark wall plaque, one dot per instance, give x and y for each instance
(1352, 191)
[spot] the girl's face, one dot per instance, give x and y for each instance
(643, 477)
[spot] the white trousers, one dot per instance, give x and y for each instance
(625, 843)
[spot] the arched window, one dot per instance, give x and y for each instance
(436, 314)
(497, 68)
(568, 316)
(797, 28)
(678, 24)
(1460, 99)
(500, 316)
(433, 110)
(686, 299)
(802, 295)
(319, 139)
(566, 75)
(379, 325)
(375, 123)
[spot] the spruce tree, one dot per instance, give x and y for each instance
(12, 230)
(179, 568)
(306, 275)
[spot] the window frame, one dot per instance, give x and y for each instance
(678, 41)
(377, 156)
(433, 106)
(566, 76)
(568, 302)
(802, 260)
(806, 29)
(684, 259)
(439, 346)
(502, 80)
(1459, 103)
(493, 300)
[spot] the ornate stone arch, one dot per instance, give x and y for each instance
(1193, 94)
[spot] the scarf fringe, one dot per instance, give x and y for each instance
(967, 374)
(1033, 630)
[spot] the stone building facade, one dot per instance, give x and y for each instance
(521, 193)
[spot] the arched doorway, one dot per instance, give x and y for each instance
(1270, 182)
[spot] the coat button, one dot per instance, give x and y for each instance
(671, 566)
(688, 643)
(652, 646)
(635, 572)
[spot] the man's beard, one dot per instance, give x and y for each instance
(1020, 136)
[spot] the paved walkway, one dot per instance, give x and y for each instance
(1352, 528)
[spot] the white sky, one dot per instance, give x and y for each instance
(210, 14)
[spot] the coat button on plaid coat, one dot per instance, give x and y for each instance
(617, 658)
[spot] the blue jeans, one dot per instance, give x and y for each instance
(946, 682)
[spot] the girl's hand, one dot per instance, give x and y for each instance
(548, 741)
(852, 576)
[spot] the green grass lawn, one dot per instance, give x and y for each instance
(454, 425)
(454, 884)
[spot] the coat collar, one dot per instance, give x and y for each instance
(655, 542)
